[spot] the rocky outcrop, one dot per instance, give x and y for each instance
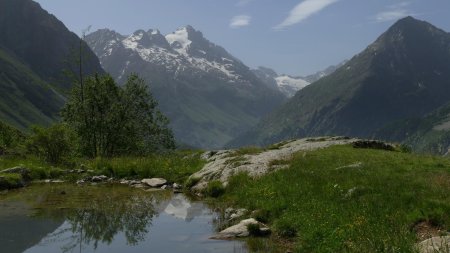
(225, 163)
(24, 172)
(439, 244)
(12, 178)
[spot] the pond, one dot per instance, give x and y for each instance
(45, 218)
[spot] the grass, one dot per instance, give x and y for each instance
(370, 208)
(8, 181)
(174, 166)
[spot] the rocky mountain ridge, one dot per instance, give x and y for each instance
(209, 95)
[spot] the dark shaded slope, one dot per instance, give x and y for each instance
(405, 73)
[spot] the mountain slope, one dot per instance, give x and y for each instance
(404, 74)
(35, 50)
(208, 94)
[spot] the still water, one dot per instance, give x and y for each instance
(68, 218)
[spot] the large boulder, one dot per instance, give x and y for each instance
(435, 245)
(154, 182)
(240, 230)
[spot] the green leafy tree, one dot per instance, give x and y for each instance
(112, 120)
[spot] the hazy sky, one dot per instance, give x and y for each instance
(295, 37)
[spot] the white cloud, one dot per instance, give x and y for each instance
(394, 12)
(303, 11)
(240, 21)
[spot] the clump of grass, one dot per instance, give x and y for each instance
(251, 150)
(175, 167)
(261, 215)
(214, 189)
(310, 200)
(191, 181)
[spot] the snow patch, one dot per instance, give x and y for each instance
(290, 85)
(182, 37)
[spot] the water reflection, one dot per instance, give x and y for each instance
(181, 208)
(101, 219)
(114, 219)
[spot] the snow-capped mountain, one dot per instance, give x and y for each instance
(209, 95)
(288, 85)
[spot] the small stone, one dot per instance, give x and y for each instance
(124, 181)
(176, 186)
(154, 182)
(164, 187)
(100, 178)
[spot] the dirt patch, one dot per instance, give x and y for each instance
(425, 230)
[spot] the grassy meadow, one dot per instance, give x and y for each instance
(342, 199)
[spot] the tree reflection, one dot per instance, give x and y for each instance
(106, 217)
(97, 218)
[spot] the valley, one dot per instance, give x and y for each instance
(207, 138)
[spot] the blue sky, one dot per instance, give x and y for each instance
(295, 37)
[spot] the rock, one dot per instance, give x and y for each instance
(24, 172)
(133, 182)
(435, 245)
(124, 181)
(154, 182)
(100, 178)
(207, 155)
(164, 187)
(238, 214)
(233, 214)
(240, 230)
(176, 186)
(80, 182)
(223, 164)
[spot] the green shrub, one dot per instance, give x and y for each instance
(285, 228)
(214, 189)
(53, 144)
(261, 215)
(254, 229)
(38, 173)
(405, 148)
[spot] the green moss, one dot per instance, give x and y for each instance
(10, 181)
